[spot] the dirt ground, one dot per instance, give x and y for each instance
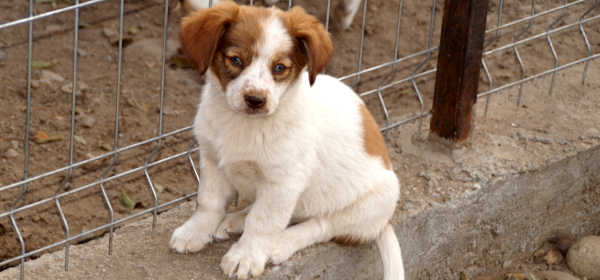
(140, 98)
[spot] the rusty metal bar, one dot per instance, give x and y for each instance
(459, 63)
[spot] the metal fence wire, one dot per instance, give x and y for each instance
(72, 187)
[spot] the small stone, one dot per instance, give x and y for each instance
(36, 218)
(151, 47)
(169, 111)
(93, 164)
(52, 28)
(407, 206)
(108, 32)
(14, 144)
(51, 76)
(86, 121)
(583, 257)
(81, 88)
(35, 84)
(81, 52)
(506, 264)
(2, 55)
(11, 153)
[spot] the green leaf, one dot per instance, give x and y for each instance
(53, 138)
(404, 92)
(126, 201)
(40, 64)
(80, 139)
(84, 25)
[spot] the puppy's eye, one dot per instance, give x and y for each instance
(236, 60)
(279, 68)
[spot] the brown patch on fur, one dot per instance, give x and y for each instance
(201, 31)
(373, 140)
(348, 240)
(211, 37)
(313, 45)
(291, 69)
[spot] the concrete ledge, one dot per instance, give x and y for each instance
(528, 172)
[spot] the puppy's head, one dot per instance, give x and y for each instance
(255, 53)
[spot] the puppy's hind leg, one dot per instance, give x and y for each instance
(300, 236)
(233, 224)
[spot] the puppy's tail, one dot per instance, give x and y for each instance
(390, 254)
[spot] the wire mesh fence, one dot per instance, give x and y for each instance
(97, 103)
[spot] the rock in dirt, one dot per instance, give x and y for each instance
(86, 121)
(81, 52)
(81, 88)
(555, 275)
(53, 28)
(14, 144)
(51, 76)
(583, 257)
(35, 84)
(108, 32)
(151, 47)
(92, 164)
(2, 55)
(11, 153)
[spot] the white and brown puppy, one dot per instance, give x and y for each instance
(301, 147)
(343, 13)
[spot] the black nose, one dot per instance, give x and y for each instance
(254, 102)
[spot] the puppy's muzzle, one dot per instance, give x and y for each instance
(255, 102)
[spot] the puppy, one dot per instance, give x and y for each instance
(300, 147)
(343, 12)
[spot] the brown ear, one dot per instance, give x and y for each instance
(311, 33)
(201, 31)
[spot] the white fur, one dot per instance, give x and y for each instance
(194, 5)
(303, 160)
(346, 13)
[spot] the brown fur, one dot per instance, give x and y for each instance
(201, 31)
(312, 40)
(373, 140)
(348, 240)
(211, 37)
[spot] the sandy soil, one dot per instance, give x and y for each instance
(139, 114)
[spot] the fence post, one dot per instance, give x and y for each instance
(457, 78)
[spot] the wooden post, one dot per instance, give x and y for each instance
(457, 78)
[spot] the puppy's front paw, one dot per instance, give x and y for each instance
(244, 260)
(191, 237)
